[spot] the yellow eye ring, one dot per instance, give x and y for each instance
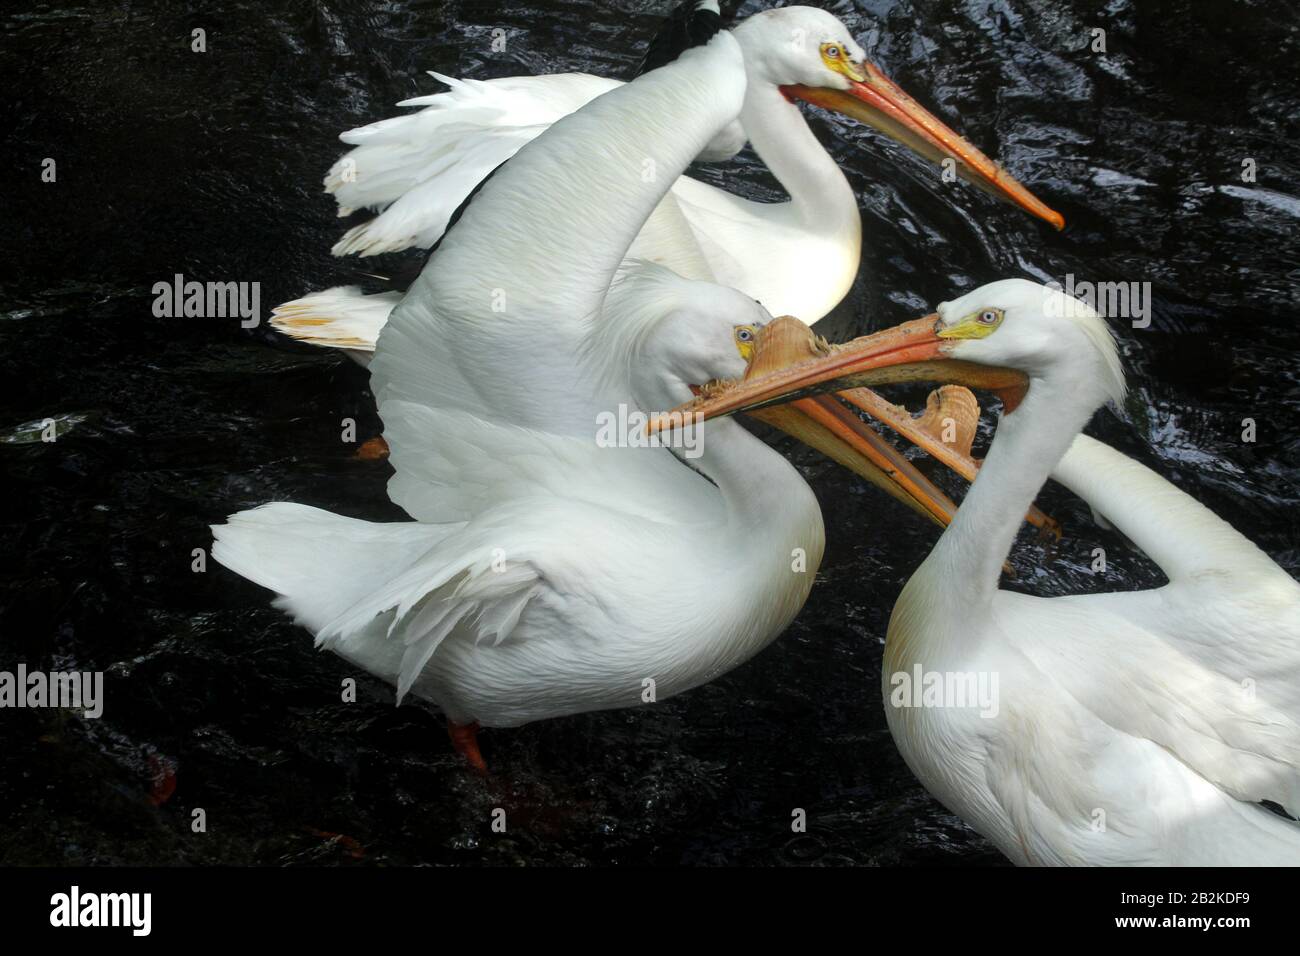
(977, 325)
(837, 59)
(746, 340)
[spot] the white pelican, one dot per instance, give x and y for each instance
(1136, 728)
(798, 257)
(546, 575)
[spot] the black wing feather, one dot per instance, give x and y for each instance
(692, 23)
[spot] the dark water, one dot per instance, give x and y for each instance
(209, 165)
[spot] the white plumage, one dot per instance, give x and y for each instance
(548, 575)
(343, 317)
(417, 168)
(797, 258)
(1137, 728)
(1140, 728)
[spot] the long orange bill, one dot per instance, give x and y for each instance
(882, 104)
(954, 454)
(827, 425)
(781, 373)
(910, 352)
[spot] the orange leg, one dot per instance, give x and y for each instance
(464, 738)
(376, 449)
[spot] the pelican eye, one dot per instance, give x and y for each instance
(746, 338)
(977, 325)
(837, 59)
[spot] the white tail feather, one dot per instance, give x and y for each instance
(319, 563)
(383, 596)
(343, 317)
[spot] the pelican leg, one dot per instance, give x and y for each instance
(375, 449)
(464, 740)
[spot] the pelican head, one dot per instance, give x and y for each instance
(1034, 329)
(811, 56)
(1000, 337)
(681, 338)
(669, 335)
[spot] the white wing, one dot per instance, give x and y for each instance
(1174, 712)
(416, 169)
(1069, 788)
(1228, 605)
(493, 328)
(319, 563)
(1176, 531)
(1114, 745)
(385, 596)
(466, 579)
(465, 464)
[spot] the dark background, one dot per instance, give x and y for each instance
(210, 165)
